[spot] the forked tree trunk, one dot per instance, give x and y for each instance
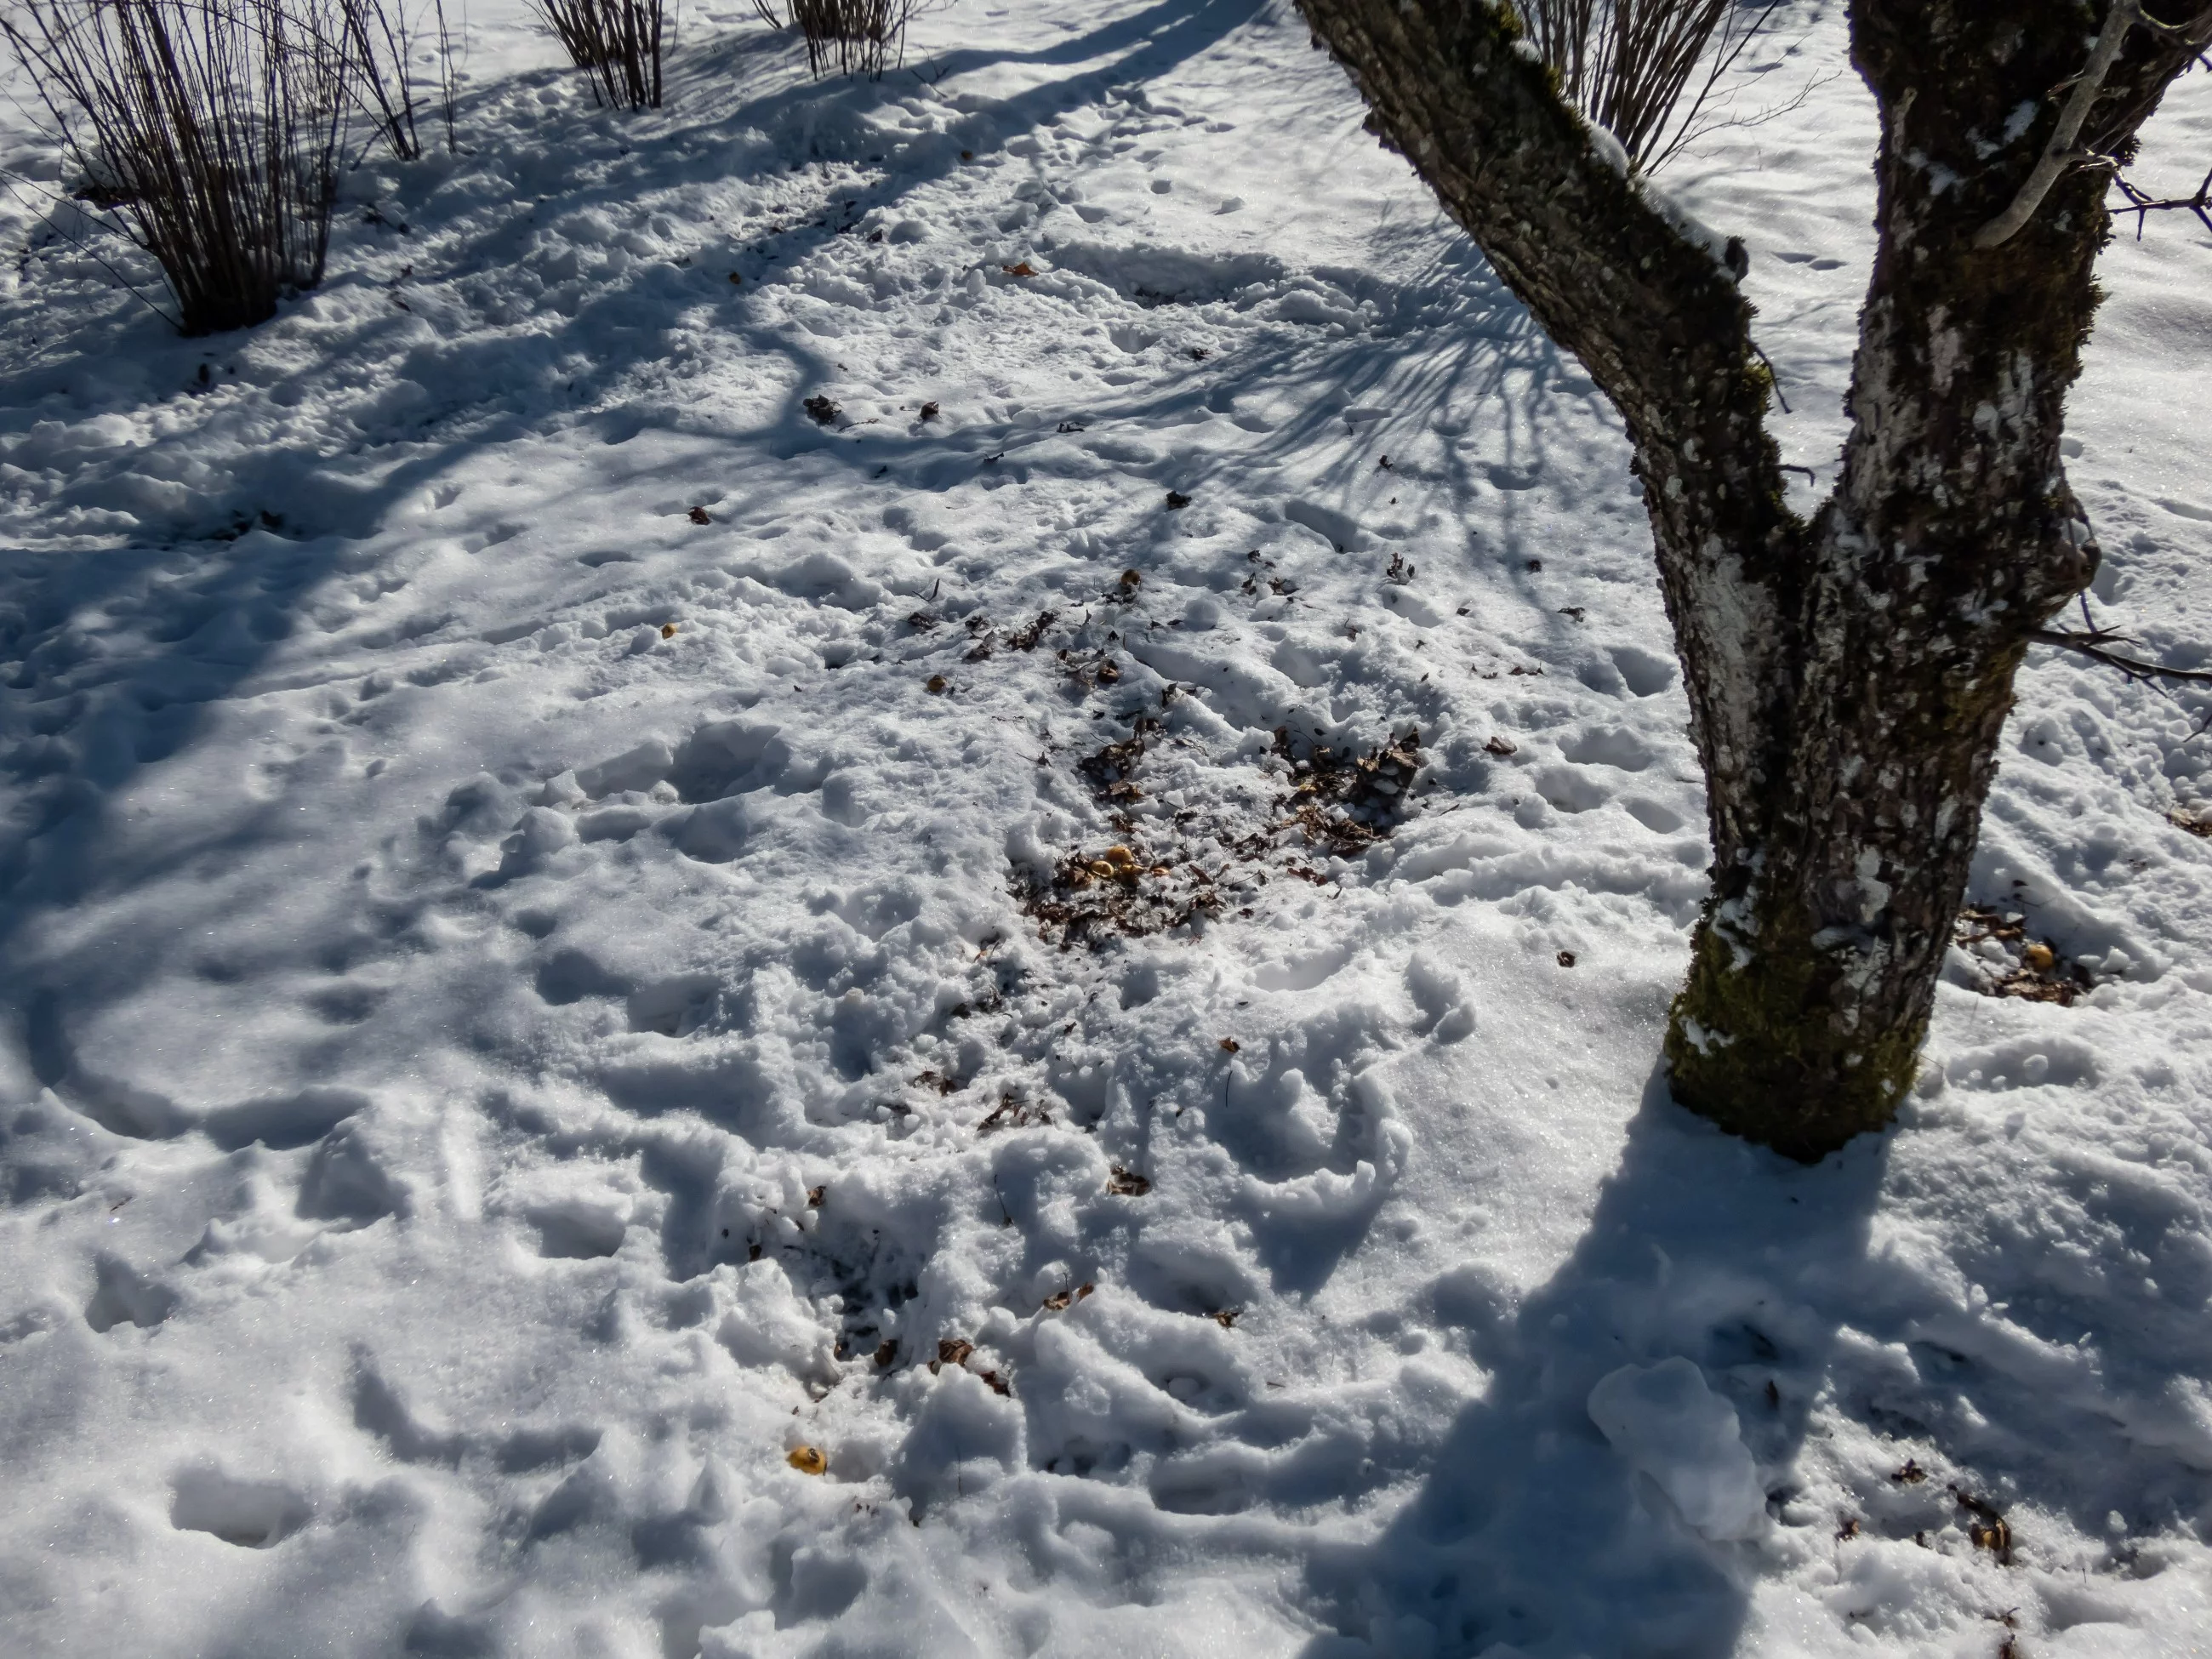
(1848, 678)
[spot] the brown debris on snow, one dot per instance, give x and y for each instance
(1347, 802)
(2009, 963)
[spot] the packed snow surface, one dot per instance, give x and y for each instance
(892, 868)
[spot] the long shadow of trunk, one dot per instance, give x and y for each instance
(1532, 1530)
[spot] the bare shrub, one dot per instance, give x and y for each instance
(208, 131)
(1646, 71)
(618, 42)
(860, 37)
(381, 39)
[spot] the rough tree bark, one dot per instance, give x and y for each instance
(1848, 676)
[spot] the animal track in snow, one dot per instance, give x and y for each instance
(251, 1514)
(126, 1296)
(346, 1182)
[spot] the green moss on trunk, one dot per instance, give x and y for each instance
(1761, 1049)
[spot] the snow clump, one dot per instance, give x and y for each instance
(1669, 1425)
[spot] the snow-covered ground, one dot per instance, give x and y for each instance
(527, 1004)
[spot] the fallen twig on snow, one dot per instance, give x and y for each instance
(2093, 645)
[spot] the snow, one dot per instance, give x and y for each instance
(1667, 1424)
(517, 996)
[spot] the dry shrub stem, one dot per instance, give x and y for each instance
(617, 42)
(381, 41)
(858, 37)
(1646, 71)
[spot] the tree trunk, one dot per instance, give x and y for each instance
(1848, 678)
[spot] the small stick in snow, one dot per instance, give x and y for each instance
(2093, 645)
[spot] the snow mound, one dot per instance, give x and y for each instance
(1669, 1425)
(1171, 276)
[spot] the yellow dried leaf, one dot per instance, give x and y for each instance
(809, 1459)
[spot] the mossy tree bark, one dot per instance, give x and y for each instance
(1848, 674)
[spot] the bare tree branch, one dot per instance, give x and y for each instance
(2060, 153)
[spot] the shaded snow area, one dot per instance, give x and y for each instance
(978, 778)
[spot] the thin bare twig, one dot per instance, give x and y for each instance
(2142, 204)
(15, 180)
(2094, 643)
(1774, 379)
(381, 39)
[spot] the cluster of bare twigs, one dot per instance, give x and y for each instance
(616, 42)
(2143, 204)
(1649, 71)
(860, 37)
(380, 42)
(209, 129)
(211, 133)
